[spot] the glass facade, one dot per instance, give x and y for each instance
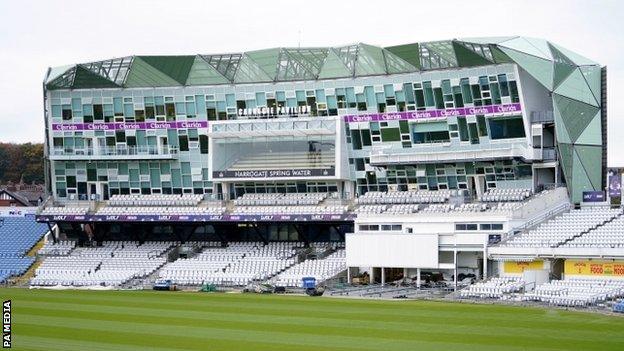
(141, 124)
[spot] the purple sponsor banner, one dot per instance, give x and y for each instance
(276, 173)
(411, 115)
(198, 218)
(615, 184)
(129, 125)
(593, 196)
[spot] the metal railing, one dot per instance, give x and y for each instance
(542, 116)
(119, 150)
(436, 152)
(549, 153)
(535, 220)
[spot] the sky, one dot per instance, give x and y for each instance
(35, 35)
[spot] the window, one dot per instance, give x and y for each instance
(506, 128)
(431, 137)
(514, 92)
(463, 129)
(98, 112)
(170, 111)
(67, 112)
(359, 164)
(139, 115)
(203, 144)
(366, 137)
(474, 136)
(466, 226)
(356, 139)
(390, 134)
(149, 112)
(183, 139)
(504, 87)
(482, 126)
(160, 110)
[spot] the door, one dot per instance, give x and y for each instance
(92, 191)
(89, 146)
(162, 146)
(100, 148)
(104, 191)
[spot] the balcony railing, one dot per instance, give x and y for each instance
(114, 152)
(549, 154)
(448, 152)
(542, 117)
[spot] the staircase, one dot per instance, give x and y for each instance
(148, 281)
(33, 251)
(24, 279)
(535, 222)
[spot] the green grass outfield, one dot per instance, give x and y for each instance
(148, 320)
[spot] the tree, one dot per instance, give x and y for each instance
(21, 162)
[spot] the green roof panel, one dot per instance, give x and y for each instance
(143, 74)
(581, 181)
(395, 64)
(499, 56)
(248, 71)
(202, 73)
(437, 54)
(593, 77)
(576, 58)
(116, 70)
(576, 115)
(55, 72)
(348, 54)
(176, 67)
(226, 64)
(525, 46)
(88, 80)
(467, 57)
(408, 52)
(566, 157)
(487, 40)
(300, 64)
(560, 128)
(64, 80)
(592, 134)
(563, 66)
(552, 65)
(539, 68)
(370, 61)
(333, 67)
(575, 87)
(266, 59)
(591, 160)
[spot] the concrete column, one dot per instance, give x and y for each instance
(383, 276)
(349, 275)
(349, 189)
(485, 262)
(404, 273)
(225, 188)
(455, 268)
(372, 275)
(418, 278)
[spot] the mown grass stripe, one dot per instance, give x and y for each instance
(111, 320)
(314, 325)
